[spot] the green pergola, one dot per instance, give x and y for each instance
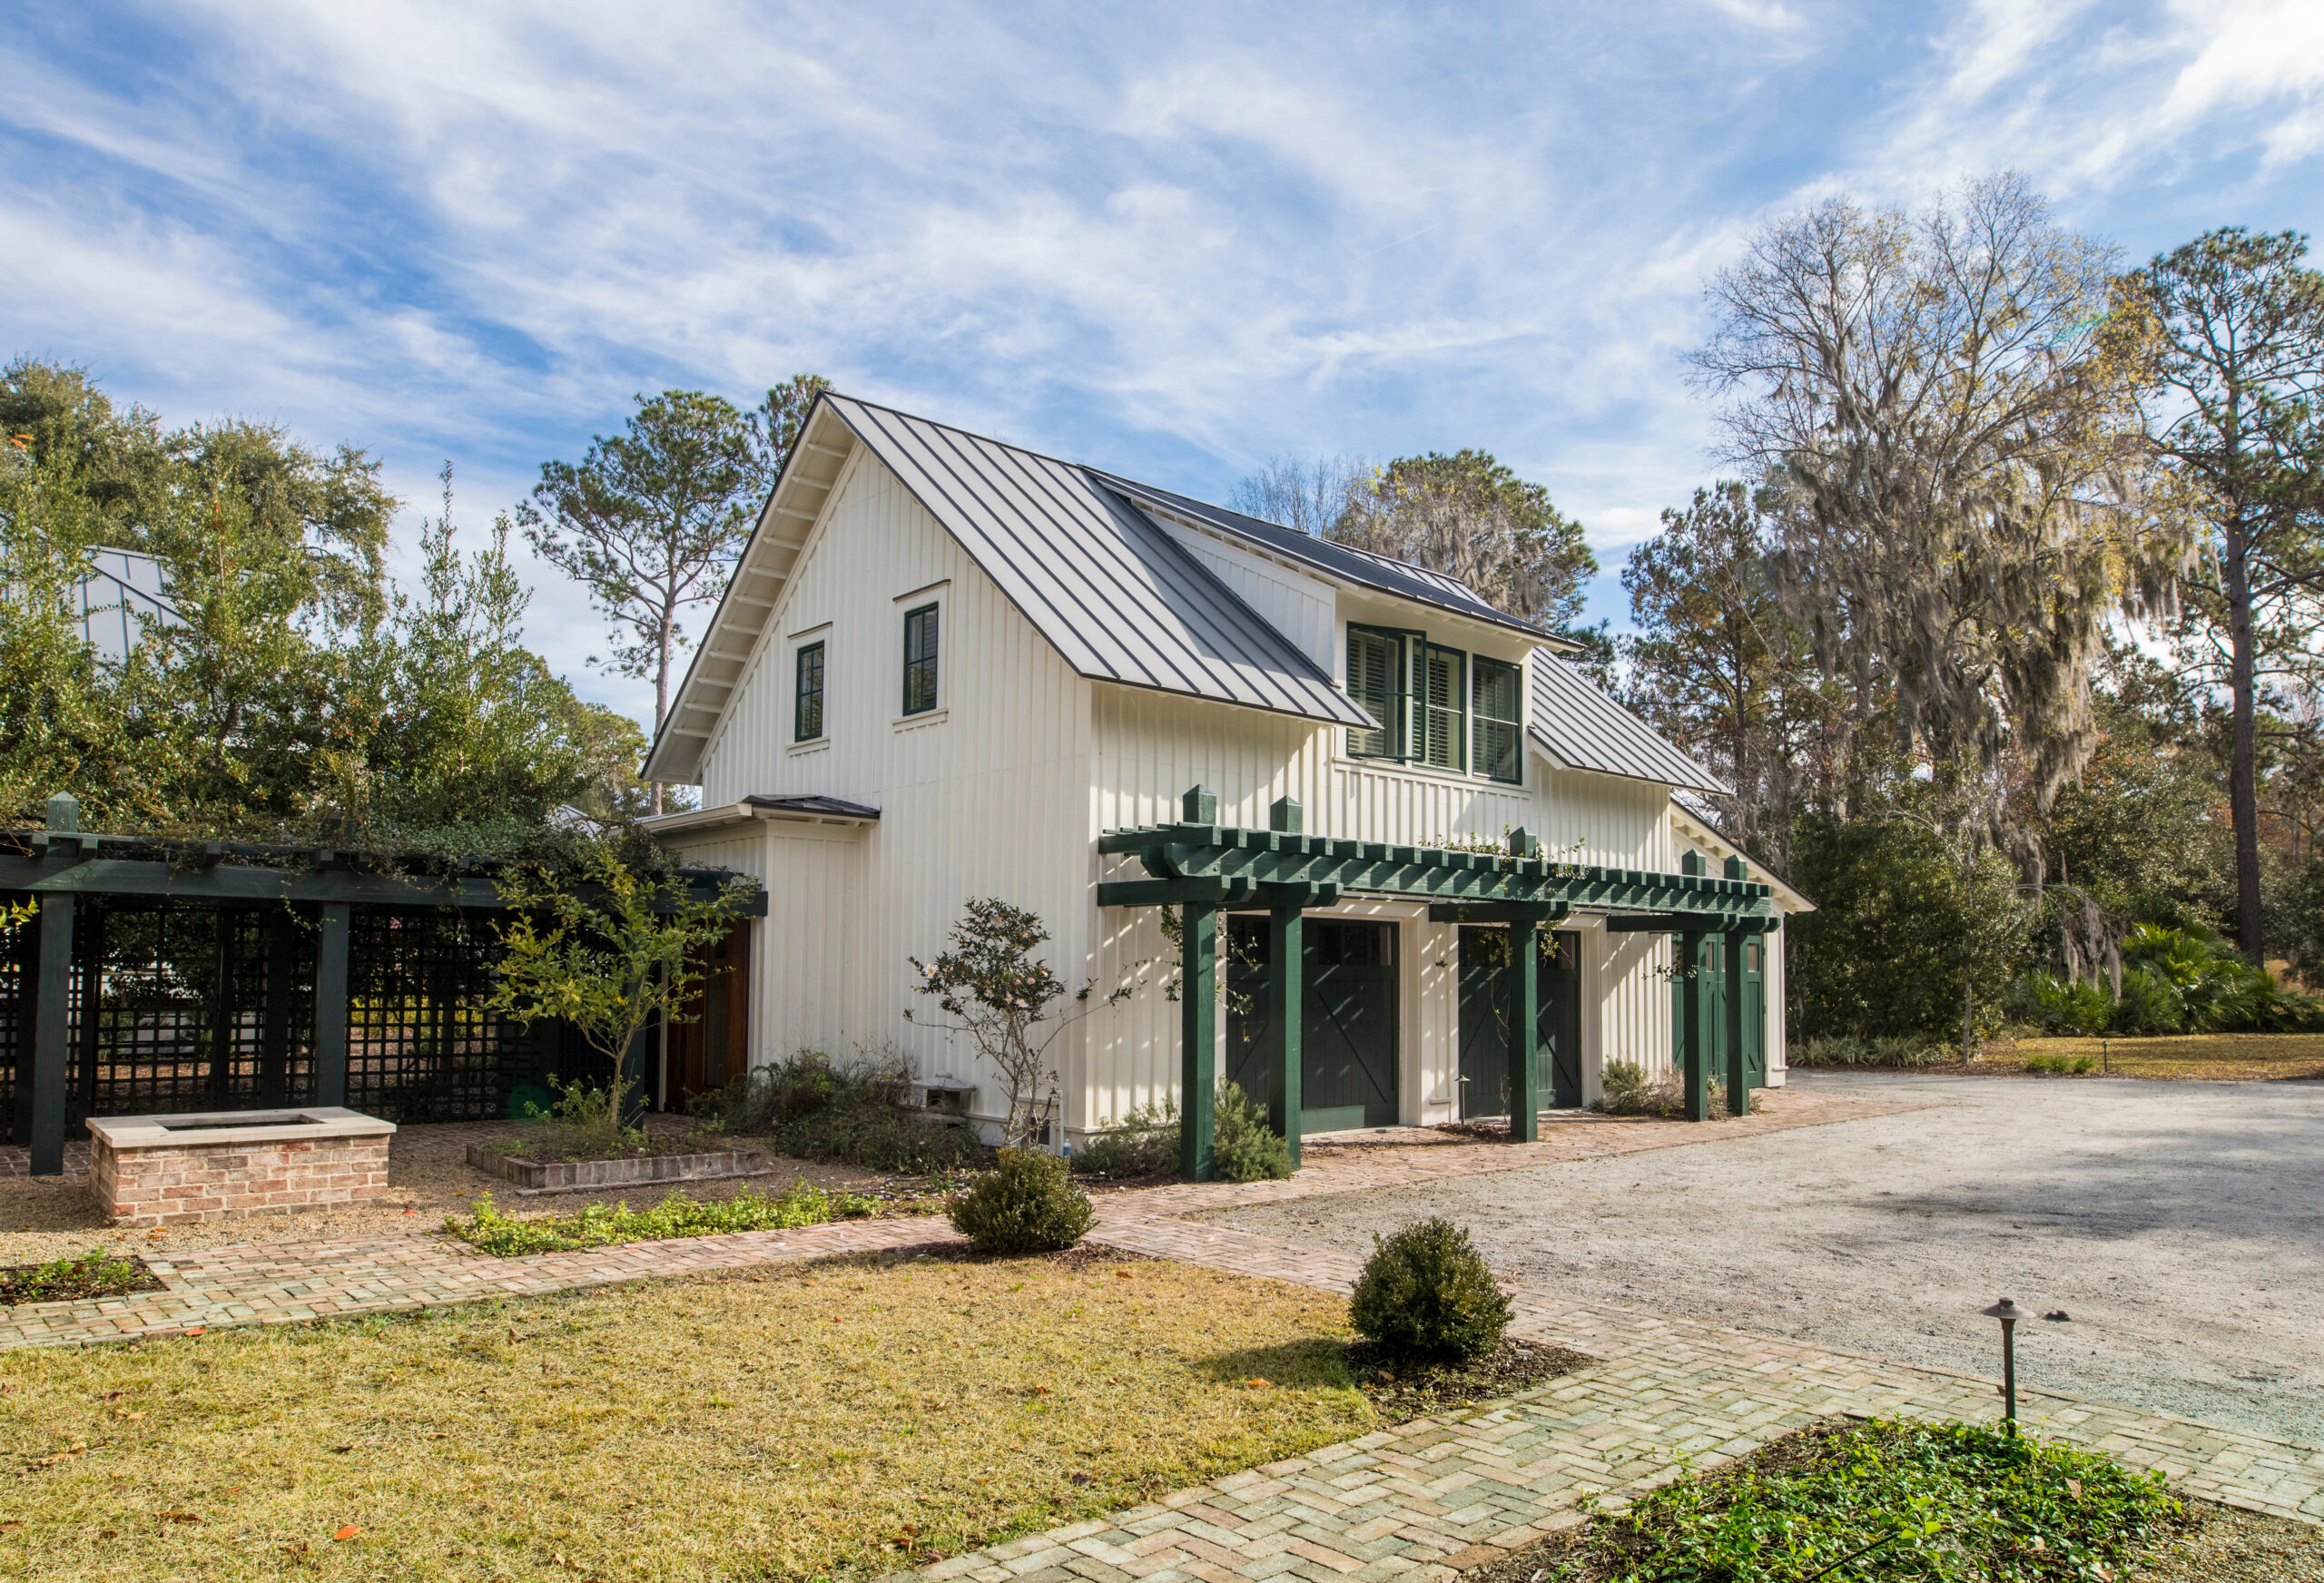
(59, 868)
(1205, 868)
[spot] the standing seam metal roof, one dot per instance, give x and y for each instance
(1121, 600)
(1337, 560)
(1585, 729)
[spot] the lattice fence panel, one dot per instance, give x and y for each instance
(421, 1046)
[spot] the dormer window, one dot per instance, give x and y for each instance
(1436, 705)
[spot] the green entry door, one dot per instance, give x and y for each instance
(1347, 1069)
(1484, 1021)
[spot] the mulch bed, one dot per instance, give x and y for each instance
(91, 1275)
(1404, 1388)
(2223, 1545)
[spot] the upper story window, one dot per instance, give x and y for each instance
(919, 659)
(1496, 692)
(1436, 705)
(807, 698)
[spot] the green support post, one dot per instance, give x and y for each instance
(330, 1003)
(1286, 949)
(1689, 1040)
(1525, 971)
(1738, 1077)
(1197, 1036)
(51, 1023)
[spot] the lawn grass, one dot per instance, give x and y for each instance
(843, 1418)
(2213, 1056)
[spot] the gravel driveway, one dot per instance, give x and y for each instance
(2178, 1224)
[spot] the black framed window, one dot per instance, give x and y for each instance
(920, 660)
(807, 700)
(1496, 694)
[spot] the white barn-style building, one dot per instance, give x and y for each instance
(947, 667)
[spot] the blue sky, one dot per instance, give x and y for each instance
(1173, 242)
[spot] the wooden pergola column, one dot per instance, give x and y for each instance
(1738, 1075)
(1198, 1014)
(1691, 1033)
(330, 1003)
(1286, 988)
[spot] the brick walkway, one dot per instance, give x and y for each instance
(1413, 1502)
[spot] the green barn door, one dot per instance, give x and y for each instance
(1755, 1012)
(1347, 1069)
(1484, 1021)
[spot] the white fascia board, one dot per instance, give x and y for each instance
(1702, 835)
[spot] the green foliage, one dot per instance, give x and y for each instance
(95, 1274)
(1893, 1053)
(1470, 517)
(678, 1215)
(1908, 913)
(1954, 1502)
(1027, 1205)
(605, 944)
(1243, 1146)
(996, 991)
(290, 695)
(2191, 980)
(2057, 1006)
(650, 520)
(1146, 1144)
(2064, 1065)
(1625, 1089)
(812, 1108)
(1425, 1290)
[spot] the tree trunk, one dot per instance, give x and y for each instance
(662, 687)
(2243, 773)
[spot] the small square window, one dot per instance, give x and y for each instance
(807, 704)
(920, 660)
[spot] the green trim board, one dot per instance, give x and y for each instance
(248, 883)
(1229, 855)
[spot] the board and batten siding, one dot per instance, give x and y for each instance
(986, 795)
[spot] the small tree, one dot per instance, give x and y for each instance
(998, 994)
(605, 945)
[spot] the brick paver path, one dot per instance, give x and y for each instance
(1417, 1501)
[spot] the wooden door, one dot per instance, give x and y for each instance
(709, 1042)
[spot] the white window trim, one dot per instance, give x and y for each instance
(937, 593)
(807, 637)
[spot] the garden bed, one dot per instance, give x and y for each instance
(678, 1215)
(77, 1277)
(845, 1419)
(1402, 1388)
(1870, 1499)
(589, 1176)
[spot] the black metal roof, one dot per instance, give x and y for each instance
(836, 807)
(1585, 730)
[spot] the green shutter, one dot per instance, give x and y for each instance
(1445, 742)
(1375, 661)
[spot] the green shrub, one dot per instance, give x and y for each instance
(677, 1216)
(2064, 1065)
(1895, 1053)
(1625, 1089)
(813, 1108)
(1425, 1290)
(2057, 1006)
(1026, 1205)
(1145, 1145)
(1243, 1146)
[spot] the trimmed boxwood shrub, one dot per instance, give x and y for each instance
(1425, 1290)
(1027, 1205)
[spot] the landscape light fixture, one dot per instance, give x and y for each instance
(2009, 1314)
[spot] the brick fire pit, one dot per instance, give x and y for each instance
(173, 1170)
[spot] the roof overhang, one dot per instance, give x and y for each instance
(1699, 831)
(794, 510)
(759, 810)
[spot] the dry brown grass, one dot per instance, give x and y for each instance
(2210, 1055)
(838, 1419)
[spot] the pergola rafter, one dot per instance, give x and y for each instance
(1205, 868)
